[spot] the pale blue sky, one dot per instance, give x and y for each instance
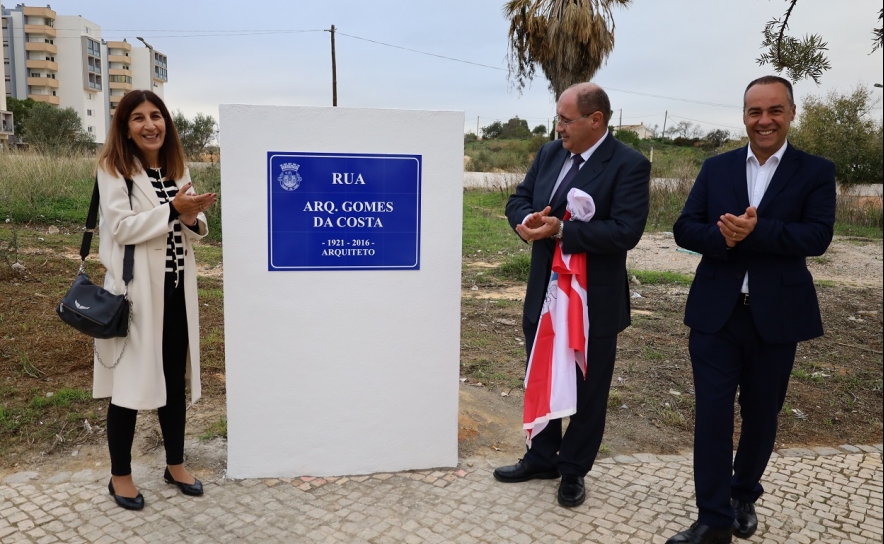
(696, 50)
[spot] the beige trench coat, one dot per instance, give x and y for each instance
(137, 382)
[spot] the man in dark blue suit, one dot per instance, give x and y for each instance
(755, 214)
(586, 157)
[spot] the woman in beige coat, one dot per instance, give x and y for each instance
(153, 365)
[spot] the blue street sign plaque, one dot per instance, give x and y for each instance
(343, 211)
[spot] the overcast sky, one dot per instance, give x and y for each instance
(693, 50)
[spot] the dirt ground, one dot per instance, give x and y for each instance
(835, 396)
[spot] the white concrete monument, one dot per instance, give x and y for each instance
(342, 258)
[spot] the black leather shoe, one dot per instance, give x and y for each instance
(746, 522)
(522, 472)
(126, 502)
(702, 534)
(195, 489)
(572, 492)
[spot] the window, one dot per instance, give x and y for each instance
(89, 113)
(90, 129)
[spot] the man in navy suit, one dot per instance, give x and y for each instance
(755, 214)
(616, 176)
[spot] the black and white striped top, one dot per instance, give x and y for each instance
(166, 191)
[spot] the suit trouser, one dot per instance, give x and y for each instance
(121, 421)
(575, 452)
(735, 357)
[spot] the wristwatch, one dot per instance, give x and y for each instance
(558, 235)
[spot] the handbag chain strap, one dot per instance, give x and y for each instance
(128, 264)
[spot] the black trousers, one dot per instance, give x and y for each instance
(121, 421)
(735, 357)
(575, 452)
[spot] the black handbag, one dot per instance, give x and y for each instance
(89, 308)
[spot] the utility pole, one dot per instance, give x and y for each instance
(665, 117)
(477, 126)
(620, 127)
(334, 68)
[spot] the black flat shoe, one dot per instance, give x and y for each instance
(702, 534)
(195, 489)
(522, 472)
(572, 491)
(126, 502)
(745, 522)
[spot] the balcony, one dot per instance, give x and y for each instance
(48, 98)
(46, 12)
(41, 47)
(40, 30)
(123, 59)
(119, 85)
(115, 99)
(125, 46)
(120, 72)
(43, 82)
(42, 65)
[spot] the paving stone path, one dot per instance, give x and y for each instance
(812, 495)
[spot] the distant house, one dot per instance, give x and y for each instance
(644, 133)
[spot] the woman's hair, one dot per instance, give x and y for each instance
(120, 152)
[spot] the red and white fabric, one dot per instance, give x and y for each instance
(560, 342)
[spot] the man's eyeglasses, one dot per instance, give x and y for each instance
(564, 121)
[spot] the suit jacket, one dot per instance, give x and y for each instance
(796, 218)
(617, 178)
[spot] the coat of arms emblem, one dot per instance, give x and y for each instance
(289, 179)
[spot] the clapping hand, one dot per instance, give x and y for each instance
(736, 229)
(189, 204)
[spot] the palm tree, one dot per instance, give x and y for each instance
(568, 39)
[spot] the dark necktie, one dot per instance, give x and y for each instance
(562, 190)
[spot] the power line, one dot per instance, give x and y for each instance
(672, 98)
(423, 52)
(705, 122)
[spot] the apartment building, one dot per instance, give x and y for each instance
(6, 118)
(133, 68)
(82, 82)
(63, 61)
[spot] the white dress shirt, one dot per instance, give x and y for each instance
(567, 166)
(758, 178)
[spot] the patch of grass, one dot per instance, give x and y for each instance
(207, 255)
(215, 430)
(515, 267)
(62, 398)
(825, 283)
(486, 231)
(615, 399)
(652, 354)
(673, 417)
(656, 277)
(502, 155)
(487, 372)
